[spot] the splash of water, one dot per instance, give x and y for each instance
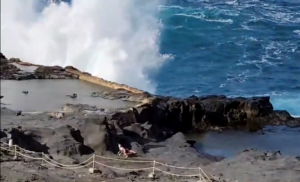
(116, 40)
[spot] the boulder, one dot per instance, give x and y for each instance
(2, 56)
(202, 113)
(177, 140)
(98, 134)
(6, 67)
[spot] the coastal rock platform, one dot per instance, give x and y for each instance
(154, 128)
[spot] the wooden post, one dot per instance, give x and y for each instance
(42, 158)
(200, 176)
(15, 157)
(10, 143)
(94, 162)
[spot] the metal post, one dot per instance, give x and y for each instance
(153, 167)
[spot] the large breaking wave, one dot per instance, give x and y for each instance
(116, 40)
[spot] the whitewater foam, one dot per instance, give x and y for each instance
(116, 40)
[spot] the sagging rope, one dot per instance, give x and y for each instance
(202, 175)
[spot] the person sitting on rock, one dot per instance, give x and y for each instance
(122, 150)
(125, 152)
(130, 152)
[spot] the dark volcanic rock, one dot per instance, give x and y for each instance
(65, 140)
(99, 134)
(7, 69)
(122, 95)
(2, 56)
(11, 72)
(49, 69)
(53, 72)
(202, 113)
(25, 76)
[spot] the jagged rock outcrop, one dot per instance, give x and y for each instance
(6, 69)
(10, 71)
(209, 112)
(65, 140)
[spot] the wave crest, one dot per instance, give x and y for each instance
(116, 40)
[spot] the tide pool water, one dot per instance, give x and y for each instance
(230, 143)
(51, 95)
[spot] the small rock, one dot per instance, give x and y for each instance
(15, 157)
(94, 170)
(152, 175)
(59, 115)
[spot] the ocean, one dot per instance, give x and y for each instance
(172, 47)
(234, 48)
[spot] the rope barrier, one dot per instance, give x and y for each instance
(124, 169)
(67, 165)
(192, 168)
(35, 158)
(75, 167)
(44, 158)
(173, 174)
(28, 151)
(125, 160)
(7, 149)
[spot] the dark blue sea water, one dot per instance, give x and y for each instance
(232, 47)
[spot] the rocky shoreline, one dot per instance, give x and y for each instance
(181, 115)
(154, 128)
